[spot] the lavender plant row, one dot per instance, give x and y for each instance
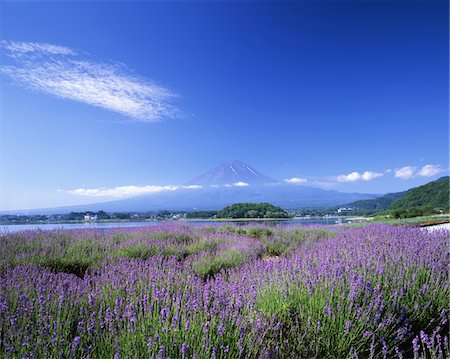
(225, 292)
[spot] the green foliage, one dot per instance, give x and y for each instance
(283, 242)
(254, 232)
(209, 266)
(201, 214)
(180, 237)
(429, 303)
(252, 210)
(170, 251)
(370, 206)
(140, 251)
(231, 229)
(277, 248)
(411, 212)
(119, 237)
(259, 232)
(197, 247)
(413, 221)
(320, 322)
(65, 264)
(434, 194)
(418, 201)
(76, 258)
(295, 312)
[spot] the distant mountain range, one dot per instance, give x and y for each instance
(434, 194)
(231, 182)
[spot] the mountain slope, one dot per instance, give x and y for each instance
(231, 172)
(434, 194)
(375, 205)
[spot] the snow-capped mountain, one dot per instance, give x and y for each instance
(229, 173)
(231, 182)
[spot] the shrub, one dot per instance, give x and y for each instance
(259, 232)
(76, 266)
(139, 251)
(209, 266)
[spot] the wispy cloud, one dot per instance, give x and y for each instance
(17, 49)
(296, 180)
(193, 186)
(429, 170)
(68, 74)
(356, 176)
(125, 191)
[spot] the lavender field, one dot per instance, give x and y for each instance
(173, 291)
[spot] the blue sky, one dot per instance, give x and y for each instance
(107, 99)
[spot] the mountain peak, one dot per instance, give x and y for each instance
(230, 172)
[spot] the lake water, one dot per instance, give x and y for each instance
(10, 228)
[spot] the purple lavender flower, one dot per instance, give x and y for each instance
(347, 326)
(220, 330)
(416, 345)
(184, 349)
(75, 344)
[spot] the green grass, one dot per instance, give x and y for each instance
(253, 232)
(183, 238)
(210, 265)
(198, 247)
(259, 232)
(281, 243)
(137, 251)
(325, 323)
(302, 321)
(77, 257)
(70, 265)
(411, 221)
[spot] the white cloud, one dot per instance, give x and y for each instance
(429, 170)
(65, 73)
(240, 184)
(296, 180)
(369, 175)
(125, 191)
(356, 176)
(193, 186)
(405, 172)
(351, 177)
